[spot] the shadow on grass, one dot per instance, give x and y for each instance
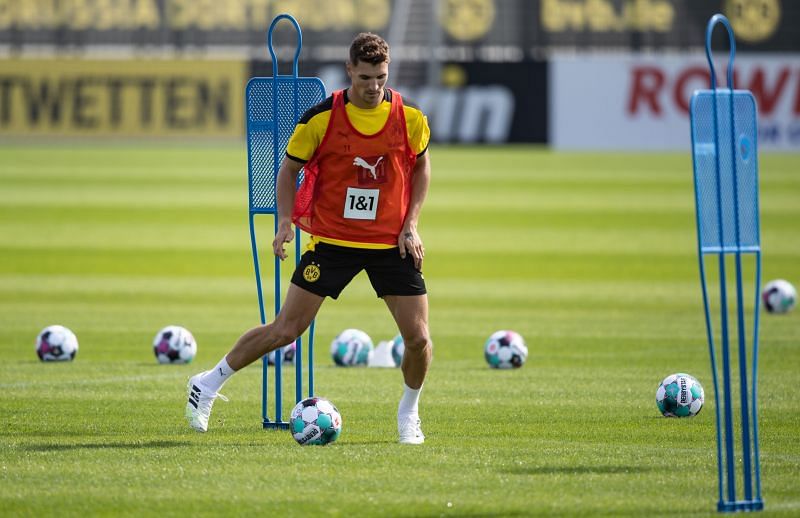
(576, 470)
(166, 366)
(46, 433)
(107, 445)
(351, 444)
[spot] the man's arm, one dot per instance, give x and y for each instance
(285, 190)
(409, 240)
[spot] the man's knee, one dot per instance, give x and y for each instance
(418, 342)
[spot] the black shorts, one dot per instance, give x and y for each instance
(327, 269)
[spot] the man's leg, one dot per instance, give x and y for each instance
(297, 312)
(411, 315)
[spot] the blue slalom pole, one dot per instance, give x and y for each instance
(273, 107)
(728, 223)
(723, 294)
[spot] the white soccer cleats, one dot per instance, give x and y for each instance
(201, 399)
(409, 430)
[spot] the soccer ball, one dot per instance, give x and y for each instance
(315, 421)
(505, 350)
(680, 395)
(174, 344)
(288, 352)
(56, 344)
(779, 296)
(398, 348)
(352, 347)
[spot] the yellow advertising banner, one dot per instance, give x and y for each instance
(132, 98)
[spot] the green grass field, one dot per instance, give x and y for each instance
(591, 257)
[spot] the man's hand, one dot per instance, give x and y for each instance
(410, 242)
(284, 235)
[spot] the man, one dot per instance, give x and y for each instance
(366, 174)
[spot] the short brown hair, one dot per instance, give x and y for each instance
(369, 48)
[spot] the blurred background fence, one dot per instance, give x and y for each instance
(574, 74)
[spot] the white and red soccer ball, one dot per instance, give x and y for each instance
(505, 350)
(174, 344)
(56, 344)
(287, 353)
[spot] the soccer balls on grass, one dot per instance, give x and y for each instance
(56, 344)
(505, 350)
(174, 344)
(680, 395)
(779, 296)
(315, 421)
(288, 353)
(352, 347)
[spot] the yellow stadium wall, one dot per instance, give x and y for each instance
(130, 98)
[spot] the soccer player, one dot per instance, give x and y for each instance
(366, 174)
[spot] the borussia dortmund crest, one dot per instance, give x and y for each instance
(311, 273)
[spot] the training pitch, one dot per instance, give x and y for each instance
(591, 257)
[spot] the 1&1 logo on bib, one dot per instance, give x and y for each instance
(361, 203)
